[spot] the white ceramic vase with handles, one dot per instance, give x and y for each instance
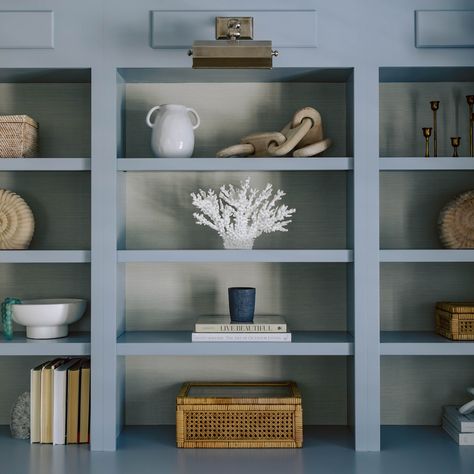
(172, 133)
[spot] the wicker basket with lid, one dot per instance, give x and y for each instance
(239, 415)
(455, 320)
(18, 136)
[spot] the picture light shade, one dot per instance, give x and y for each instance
(233, 54)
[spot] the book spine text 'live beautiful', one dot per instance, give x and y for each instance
(240, 328)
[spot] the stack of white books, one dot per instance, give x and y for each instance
(221, 329)
(459, 427)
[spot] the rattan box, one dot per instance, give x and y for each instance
(455, 320)
(18, 136)
(239, 415)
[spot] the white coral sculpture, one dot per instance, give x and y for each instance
(240, 215)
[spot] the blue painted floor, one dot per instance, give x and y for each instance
(327, 450)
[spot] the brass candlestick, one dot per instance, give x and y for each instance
(427, 135)
(470, 103)
(455, 141)
(434, 108)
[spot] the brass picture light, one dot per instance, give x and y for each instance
(234, 47)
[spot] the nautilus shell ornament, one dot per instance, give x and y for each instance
(456, 222)
(17, 223)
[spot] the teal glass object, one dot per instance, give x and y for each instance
(7, 319)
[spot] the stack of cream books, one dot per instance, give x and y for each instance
(60, 402)
(221, 329)
(459, 427)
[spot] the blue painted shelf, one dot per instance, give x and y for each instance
(421, 255)
(423, 343)
(335, 256)
(426, 164)
(76, 344)
(45, 164)
(417, 449)
(234, 164)
(179, 343)
(45, 256)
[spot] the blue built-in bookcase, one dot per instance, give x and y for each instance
(356, 275)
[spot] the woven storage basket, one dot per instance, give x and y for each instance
(455, 321)
(239, 415)
(18, 136)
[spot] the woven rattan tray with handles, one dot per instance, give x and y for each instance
(239, 415)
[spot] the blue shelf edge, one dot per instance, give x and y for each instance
(331, 343)
(422, 343)
(332, 256)
(45, 164)
(45, 256)
(76, 344)
(235, 164)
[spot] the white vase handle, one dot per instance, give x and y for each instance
(149, 114)
(196, 116)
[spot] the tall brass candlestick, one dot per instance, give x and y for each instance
(470, 103)
(427, 135)
(434, 108)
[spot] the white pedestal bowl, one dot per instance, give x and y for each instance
(48, 318)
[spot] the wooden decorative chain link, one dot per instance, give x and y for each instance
(303, 136)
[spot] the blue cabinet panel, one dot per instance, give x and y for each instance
(444, 29)
(26, 29)
(178, 29)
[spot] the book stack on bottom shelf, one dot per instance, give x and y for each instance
(460, 427)
(60, 402)
(221, 329)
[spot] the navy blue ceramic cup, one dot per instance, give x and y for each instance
(242, 304)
